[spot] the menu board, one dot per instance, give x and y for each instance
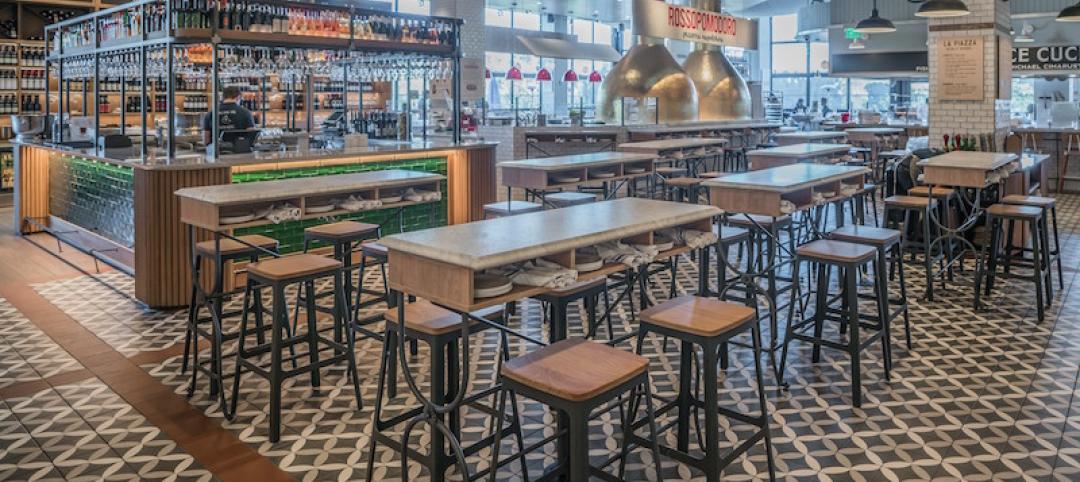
(960, 68)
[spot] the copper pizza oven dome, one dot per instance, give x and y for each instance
(649, 70)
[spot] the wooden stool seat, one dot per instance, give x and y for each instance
(575, 369)
(859, 150)
(868, 187)
(1037, 201)
(232, 247)
(683, 182)
(295, 266)
(1014, 211)
(730, 234)
(341, 230)
(712, 174)
(374, 249)
(910, 202)
(836, 251)
(748, 220)
(707, 317)
(670, 171)
(425, 317)
(924, 191)
(503, 208)
(569, 198)
(871, 235)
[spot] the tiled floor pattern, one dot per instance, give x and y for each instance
(27, 354)
(981, 395)
(84, 431)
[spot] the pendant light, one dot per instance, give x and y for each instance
(875, 24)
(570, 76)
(543, 75)
(514, 73)
(595, 77)
(942, 9)
(1070, 14)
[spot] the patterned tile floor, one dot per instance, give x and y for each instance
(981, 395)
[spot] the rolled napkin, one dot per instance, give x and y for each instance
(617, 252)
(544, 273)
(357, 203)
(691, 238)
(828, 194)
(417, 196)
(787, 207)
(849, 189)
(817, 198)
(282, 213)
(993, 177)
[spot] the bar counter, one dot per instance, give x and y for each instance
(122, 210)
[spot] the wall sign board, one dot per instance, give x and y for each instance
(655, 18)
(1046, 58)
(961, 68)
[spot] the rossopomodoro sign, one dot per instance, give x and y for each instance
(654, 18)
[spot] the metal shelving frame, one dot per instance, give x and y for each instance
(179, 37)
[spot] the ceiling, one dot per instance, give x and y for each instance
(608, 11)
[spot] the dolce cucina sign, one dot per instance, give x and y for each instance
(655, 18)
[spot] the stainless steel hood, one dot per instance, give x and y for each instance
(568, 49)
(722, 92)
(649, 70)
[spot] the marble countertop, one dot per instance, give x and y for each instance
(665, 144)
(255, 192)
(874, 130)
(984, 161)
(811, 135)
(787, 178)
(704, 126)
(1072, 127)
(801, 150)
(592, 159)
(497, 242)
(190, 160)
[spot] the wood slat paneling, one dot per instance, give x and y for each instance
(32, 174)
(162, 252)
(471, 181)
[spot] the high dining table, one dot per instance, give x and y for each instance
(792, 153)
(690, 150)
(872, 136)
(613, 169)
(439, 265)
(803, 137)
(973, 173)
(760, 193)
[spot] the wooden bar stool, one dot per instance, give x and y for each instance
(728, 236)
(887, 243)
(510, 208)
(588, 292)
(220, 252)
(1049, 208)
(441, 330)
(947, 208)
(1072, 148)
(826, 254)
(277, 274)
(908, 207)
(996, 216)
(707, 323)
(372, 253)
(682, 188)
(578, 377)
(343, 236)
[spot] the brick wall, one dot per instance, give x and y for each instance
(989, 19)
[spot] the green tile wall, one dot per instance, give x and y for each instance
(94, 195)
(291, 234)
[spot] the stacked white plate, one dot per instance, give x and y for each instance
(602, 174)
(586, 260)
(240, 218)
(566, 179)
(319, 209)
(390, 199)
(634, 170)
(490, 285)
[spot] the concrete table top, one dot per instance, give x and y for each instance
(498, 242)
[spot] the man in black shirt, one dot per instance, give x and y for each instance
(231, 116)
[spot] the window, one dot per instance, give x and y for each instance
(784, 28)
(834, 92)
(419, 7)
(819, 57)
(789, 58)
(526, 21)
(1023, 98)
(792, 88)
(603, 34)
(496, 18)
(870, 94)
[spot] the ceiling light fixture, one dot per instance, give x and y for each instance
(875, 24)
(1070, 14)
(942, 9)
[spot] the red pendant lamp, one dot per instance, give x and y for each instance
(514, 73)
(543, 75)
(570, 76)
(595, 77)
